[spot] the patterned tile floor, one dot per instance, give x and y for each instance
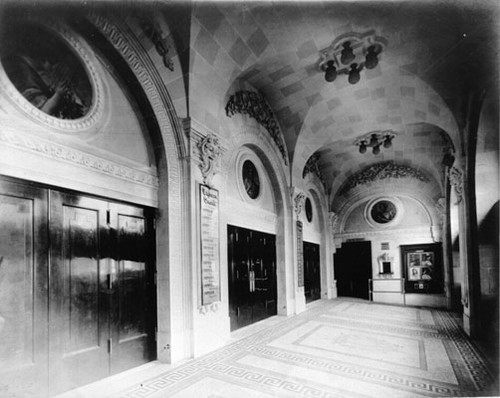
(338, 348)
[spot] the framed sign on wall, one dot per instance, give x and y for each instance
(422, 268)
(209, 232)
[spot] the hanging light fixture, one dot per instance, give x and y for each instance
(354, 74)
(330, 71)
(375, 140)
(349, 54)
(371, 59)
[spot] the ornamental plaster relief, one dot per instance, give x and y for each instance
(82, 159)
(456, 177)
(96, 112)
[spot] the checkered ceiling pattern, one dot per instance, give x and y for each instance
(275, 47)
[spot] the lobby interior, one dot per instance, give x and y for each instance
(259, 198)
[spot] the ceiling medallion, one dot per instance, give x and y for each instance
(375, 139)
(350, 53)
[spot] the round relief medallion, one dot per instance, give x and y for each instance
(50, 72)
(309, 210)
(251, 179)
(383, 211)
(47, 73)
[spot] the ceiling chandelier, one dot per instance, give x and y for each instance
(349, 54)
(375, 140)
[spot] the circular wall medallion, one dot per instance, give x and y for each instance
(48, 73)
(251, 179)
(309, 210)
(383, 211)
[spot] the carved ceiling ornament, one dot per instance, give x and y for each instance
(440, 206)
(456, 177)
(298, 199)
(312, 166)
(334, 219)
(254, 105)
(152, 30)
(210, 153)
(381, 171)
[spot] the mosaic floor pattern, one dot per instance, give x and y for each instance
(339, 348)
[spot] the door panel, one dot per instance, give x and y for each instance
(79, 297)
(353, 269)
(312, 278)
(23, 289)
(132, 322)
(252, 276)
(101, 292)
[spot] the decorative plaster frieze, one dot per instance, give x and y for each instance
(440, 207)
(456, 177)
(210, 153)
(298, 200)
(254, 105)
(71, 155)
(84, 53)
(413, 232)
(151, 82)
(382, 171)
(312, 166)
(153, 32)
(334, 219)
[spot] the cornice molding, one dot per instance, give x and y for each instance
(91, 162)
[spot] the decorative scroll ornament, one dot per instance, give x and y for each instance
(298, 202)
(456, 177)
(333, 218)
(153, 31)
(441, 209)
(312, 166)
(254, 105)
(381, 171)
(210, 152)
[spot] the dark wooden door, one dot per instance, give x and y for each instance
(101, 290)
(79, 291)
(23, 290)
(353, 269)
(133, 299)
(312, 278)
(251, 276)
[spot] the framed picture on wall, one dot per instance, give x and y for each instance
(422, 268)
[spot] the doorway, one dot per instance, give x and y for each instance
(353, 269)
(87, 308)
(251, 276)
(312, 278)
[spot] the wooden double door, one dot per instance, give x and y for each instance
(353, 269)
(77, 293)
(312, 276)
(251, 276)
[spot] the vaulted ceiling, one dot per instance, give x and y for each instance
(435, 52)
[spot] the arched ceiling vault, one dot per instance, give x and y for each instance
(416, 90)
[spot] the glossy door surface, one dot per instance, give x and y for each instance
(77, 291)
(133, 310)
(23, 290)
(312, 278)
(102, 289)
(79, 295)
(251, 275)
